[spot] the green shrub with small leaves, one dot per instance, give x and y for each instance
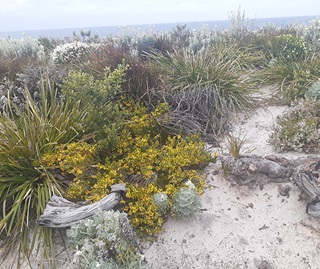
(298, 128)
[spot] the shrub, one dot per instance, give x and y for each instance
(288, 48)
(291, 78)
(312, 34)
(105, 241)
(186, 202)
(143, 157)
(98, 97)
(205, 87)
(68, 52)
(31, 79)
(21, 48)
(140, 78)
(298, 128)
(313, 92)
(25, 187)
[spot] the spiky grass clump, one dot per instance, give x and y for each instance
(25, 188)
(205, 87)
(291, 79)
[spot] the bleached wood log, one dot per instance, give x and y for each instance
(61, 213)
(304, 172)
(251, 166)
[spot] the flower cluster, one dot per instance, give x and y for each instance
(147, 161)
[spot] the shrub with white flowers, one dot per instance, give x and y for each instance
(289, 47)
(68, 52)
(105, 241)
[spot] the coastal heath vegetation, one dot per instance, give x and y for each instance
(86, 113)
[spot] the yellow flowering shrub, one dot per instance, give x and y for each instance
(144, 157)
(75, 160)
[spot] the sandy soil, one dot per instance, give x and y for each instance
(240, 227)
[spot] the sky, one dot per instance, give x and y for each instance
(19, 15)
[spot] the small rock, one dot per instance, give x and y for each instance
(284, 190)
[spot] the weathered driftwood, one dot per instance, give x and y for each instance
(250, 167)
(61, 213)
(304, 172)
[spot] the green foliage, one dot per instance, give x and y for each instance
(298, 128)
(105, 241)
(288, 48)
(291, 78)
(25, 188)
(205, 87)
(162, 202)
(186, 202)
(98, 97)
(235, 144)
(313, 92)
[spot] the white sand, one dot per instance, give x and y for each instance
(241, 227)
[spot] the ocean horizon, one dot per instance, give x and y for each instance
(105, 31)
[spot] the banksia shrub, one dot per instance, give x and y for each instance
(186, 202)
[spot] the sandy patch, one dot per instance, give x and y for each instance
(240, 227)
